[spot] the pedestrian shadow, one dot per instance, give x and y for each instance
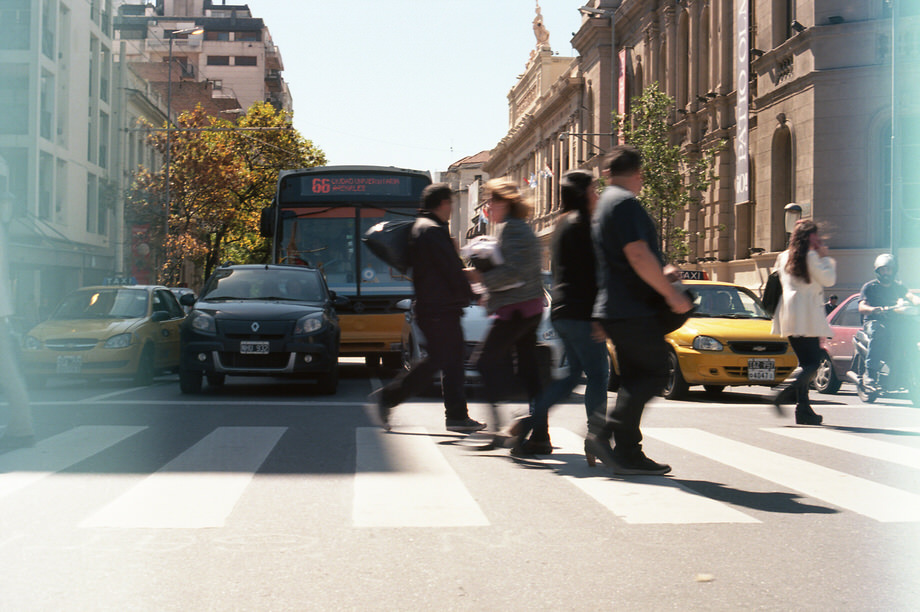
(873, 430)
(779, 502)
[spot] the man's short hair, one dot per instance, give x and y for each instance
(623, 160)
(434, 194)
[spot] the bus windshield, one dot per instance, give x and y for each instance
(326, 239)
(324, 212)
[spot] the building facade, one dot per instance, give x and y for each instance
(811, 124)
(466, 178)
(58, 134)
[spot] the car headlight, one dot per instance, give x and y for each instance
(31, 343)
(706, 343)
(309, 324)
(202, 322)
(119, 341)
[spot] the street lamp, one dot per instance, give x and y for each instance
(172, 35)
(609, 13)
(792, 215)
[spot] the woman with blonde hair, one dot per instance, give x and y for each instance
(804, 271)
(514, 295)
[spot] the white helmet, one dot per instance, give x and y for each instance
(885, 260)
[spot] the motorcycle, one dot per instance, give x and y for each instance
(899, 373)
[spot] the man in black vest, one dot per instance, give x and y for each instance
(441, 293)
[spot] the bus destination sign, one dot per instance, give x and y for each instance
(352, 184)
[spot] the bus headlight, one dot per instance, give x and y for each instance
(309, 324)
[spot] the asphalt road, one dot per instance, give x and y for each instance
(264, 496)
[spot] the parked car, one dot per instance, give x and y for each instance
(725, 342)
(476, 323)
(113, 330)
(261, 320)
(837, 354)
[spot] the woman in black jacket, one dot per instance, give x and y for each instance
(574, 290)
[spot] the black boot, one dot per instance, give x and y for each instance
(804, 415)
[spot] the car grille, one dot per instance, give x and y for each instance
(70, 344)
(758, 348)
(272, 361)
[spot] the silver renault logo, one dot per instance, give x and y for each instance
(254, 327)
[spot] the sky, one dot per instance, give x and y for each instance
(414, 84)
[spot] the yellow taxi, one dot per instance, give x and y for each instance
(106, 331)
(726, 341)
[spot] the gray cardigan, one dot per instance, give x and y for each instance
(522, 254)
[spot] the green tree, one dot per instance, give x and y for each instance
(673, 181)
(221, 176)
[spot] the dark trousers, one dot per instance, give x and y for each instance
(808, 351)
(446, 351)
(493, 356)
(642, 355)
(880, 335)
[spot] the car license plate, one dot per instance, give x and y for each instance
(253, 348)
(761, 369)
(69, 364)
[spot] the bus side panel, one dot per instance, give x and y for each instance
(369, 334)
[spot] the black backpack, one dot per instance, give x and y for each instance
(390, 241)
(772, 293)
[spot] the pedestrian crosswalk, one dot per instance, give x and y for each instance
(414, 478)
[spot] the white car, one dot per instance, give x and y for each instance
(476, 323)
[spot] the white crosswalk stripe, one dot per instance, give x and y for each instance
(403, 480)
(851, 443)
(871, 499)
(197, 489)
(407, 479)
(642, 500)
(26, 466)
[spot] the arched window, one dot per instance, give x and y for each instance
(782, 21)
(683, 60)
(588, 149)
(781, 177)
(702, 53)
(637, 79)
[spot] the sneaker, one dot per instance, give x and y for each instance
(533, 447)
(639, 464)
(466, 425)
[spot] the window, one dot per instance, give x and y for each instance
(211, 35)
(781, 178)
(252, 36)
(218, 60)
(245, 60)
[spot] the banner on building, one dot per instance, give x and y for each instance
(742, 55)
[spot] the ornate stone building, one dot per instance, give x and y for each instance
(811, 125)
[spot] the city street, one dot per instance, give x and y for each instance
(262, 495)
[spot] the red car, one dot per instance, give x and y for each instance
(845, 320)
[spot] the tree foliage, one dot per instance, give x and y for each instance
(673, 180)
(221, 175)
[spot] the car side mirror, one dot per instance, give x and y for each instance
(404, 304)
(340, 301)
(187, 299)
(159, 316)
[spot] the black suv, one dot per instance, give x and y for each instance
(261, 320)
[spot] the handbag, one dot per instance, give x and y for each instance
(772, 293)
(671, 320)
(390, 241)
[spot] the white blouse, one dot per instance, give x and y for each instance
(801, 310)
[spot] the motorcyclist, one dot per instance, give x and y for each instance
(874, 298)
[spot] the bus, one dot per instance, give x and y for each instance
(318, 219)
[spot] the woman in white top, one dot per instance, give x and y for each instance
(804, 271)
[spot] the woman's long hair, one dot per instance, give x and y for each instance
(797, 264)
(507, 190)
(573, 189)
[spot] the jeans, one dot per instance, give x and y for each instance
(446, 351)
(584, 354)
(808, 351)
(519, 333)
(880, 336)
(642, 355)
